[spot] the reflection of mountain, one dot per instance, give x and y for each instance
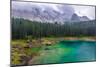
(47, 14)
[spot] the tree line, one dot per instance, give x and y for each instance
(22, 28)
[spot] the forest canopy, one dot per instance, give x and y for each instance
(22, 28)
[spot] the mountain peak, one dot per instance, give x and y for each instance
(75, 17)
(84, 18)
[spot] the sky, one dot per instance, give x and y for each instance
(88, 11)
(81, 10)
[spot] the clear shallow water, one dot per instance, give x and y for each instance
(68, 51)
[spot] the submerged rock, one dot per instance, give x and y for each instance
(47, 43)
(47, 48)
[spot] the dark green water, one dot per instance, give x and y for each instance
(68, 51)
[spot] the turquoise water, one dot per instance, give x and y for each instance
(68, 51)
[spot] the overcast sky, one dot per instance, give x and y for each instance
(80, 10)
(88, 11)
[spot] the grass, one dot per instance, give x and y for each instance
(18, 42)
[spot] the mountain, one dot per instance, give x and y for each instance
(43, 13)
(84, 18)
(46, 13)
(76, 18)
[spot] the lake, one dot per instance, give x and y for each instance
(68, 51)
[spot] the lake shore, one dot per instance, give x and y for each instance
(50, 40)
(70, 38)
(20, 46)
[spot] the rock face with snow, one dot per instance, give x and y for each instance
(84, 18)
(46, 13)
(76, 18)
